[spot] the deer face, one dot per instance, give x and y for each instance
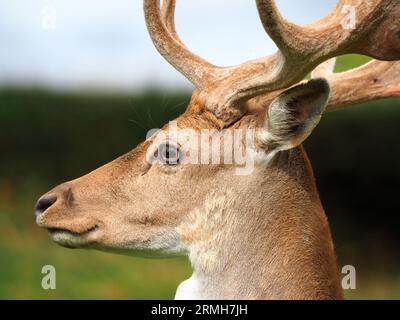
(129, 204)
(136, 203)
(126, 205)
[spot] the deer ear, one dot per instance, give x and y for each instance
(293, 115)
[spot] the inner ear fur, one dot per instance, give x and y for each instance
(294, 114)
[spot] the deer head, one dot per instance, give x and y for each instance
(251, 231)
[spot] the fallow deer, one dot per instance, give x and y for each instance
(262, 235)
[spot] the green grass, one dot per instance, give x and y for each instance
(350, 61)
(84, 275)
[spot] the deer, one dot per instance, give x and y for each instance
(259, 235)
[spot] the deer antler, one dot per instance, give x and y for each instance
(168, 16)
(375, 33)
(372, 81)
(162, 31)
(354, 26)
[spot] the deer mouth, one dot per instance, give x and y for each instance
(72, 239)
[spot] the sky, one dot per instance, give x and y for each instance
(84, 44)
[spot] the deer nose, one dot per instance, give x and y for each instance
(44, 203)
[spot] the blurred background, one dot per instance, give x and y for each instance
(81, 83)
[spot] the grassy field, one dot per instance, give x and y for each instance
(47, 138)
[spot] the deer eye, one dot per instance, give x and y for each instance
(169, 154)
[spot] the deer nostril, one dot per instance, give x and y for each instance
(44, 203)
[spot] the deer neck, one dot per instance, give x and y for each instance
(267, 238)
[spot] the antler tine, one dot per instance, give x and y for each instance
(274, 24)
(342, 30)
(168, 16)
(372, 81)
(162, 31)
